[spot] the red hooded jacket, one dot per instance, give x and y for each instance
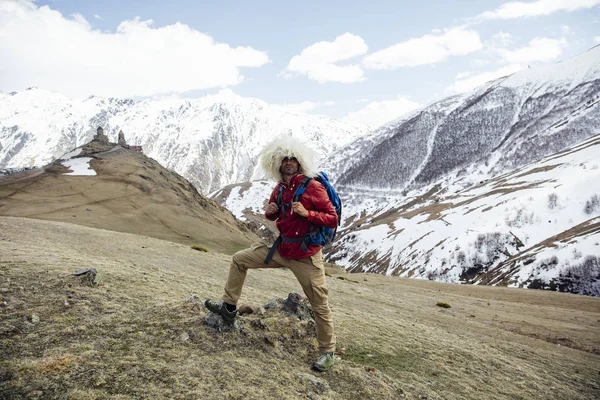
(291, 225)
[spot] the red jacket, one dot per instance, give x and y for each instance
(291, 225)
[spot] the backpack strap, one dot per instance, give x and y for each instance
(297, 195)
(272, 249)
(279, 198)
(301, 189)
(279, 201)
(284, 239)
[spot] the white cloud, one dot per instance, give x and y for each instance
(597, 39)
(539, 49)
(97, 16)
(518, 9)
(377, 113)
(168, 96)
(305, 106)
(501, 39)
(428, 49)
(318, 61)
(463, 75)
(479, 62)
(565, 29)
(465, 84)
(41, 47)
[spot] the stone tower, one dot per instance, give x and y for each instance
(100, 136)
(122, 141)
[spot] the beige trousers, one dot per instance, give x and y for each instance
(309, 271)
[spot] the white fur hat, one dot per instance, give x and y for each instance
(287, 146)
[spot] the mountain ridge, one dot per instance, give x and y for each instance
(127, 192)
(471, 235)
(497, 127)
(212, 141)
(460, 144)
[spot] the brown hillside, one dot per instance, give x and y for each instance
(130, 193)
(133, 335)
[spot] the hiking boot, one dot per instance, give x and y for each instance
(219, 307)
(325, 361)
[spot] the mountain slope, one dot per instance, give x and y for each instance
(537, 226)
(117, 189)
(441, 193)
(135, 336)
(212, 141)
(532, 227)
(500, 126)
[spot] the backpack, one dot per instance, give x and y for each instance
(321, 235)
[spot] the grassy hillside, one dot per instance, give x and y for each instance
(130, 193)
(133, 335)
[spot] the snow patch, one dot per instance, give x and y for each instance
(79, 166)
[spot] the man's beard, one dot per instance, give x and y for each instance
(289, 169)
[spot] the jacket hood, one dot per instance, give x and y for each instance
(287, 146)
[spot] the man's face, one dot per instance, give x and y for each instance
(289, 166)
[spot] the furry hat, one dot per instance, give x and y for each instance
(287, 146)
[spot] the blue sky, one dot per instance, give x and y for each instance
(366, 61)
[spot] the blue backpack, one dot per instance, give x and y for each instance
(320, 235)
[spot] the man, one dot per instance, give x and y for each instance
(289, 162)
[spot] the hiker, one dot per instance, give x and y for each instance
(288, 161)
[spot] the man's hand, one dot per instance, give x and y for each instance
(271, 209)
(299, 209)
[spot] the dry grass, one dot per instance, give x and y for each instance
(133, 336)
(130, 193)
(200, 248)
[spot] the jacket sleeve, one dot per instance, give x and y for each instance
(321, 211)
(273, 217)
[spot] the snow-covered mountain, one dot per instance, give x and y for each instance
(38, 126)
(475, 188)
(460, 190)
(537, 226)
(502, 125)
(212, 141)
